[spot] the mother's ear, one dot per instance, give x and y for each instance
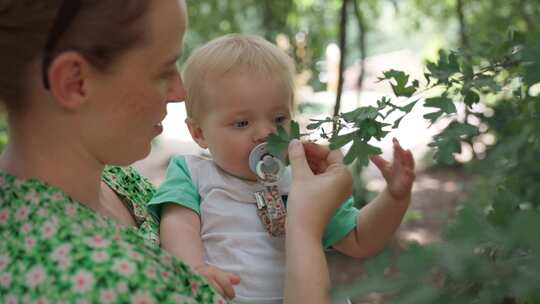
(67, 77)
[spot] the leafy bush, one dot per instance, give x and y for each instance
(491, 252)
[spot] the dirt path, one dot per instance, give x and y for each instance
(435, 197)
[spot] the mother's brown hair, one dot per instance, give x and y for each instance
(101, 31)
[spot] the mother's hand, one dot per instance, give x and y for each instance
(321, 182)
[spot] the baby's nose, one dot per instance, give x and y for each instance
(262, 133)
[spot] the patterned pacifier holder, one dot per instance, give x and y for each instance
(270, 206)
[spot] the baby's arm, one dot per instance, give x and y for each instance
(378, 220)
(180, 231)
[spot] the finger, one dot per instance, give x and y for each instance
(315, 151)
(234, 279)
(398, 155)
(215, 285)
(409, 160)
(297, 158)
(223, 280)
(317, 156)
(380, 163)
(335, 157)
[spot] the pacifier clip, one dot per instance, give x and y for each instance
(270, 205)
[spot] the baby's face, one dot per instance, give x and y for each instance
(243, 111)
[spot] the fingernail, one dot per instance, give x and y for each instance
(295, 145)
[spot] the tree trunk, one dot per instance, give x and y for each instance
(343, 50)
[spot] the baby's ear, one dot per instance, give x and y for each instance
(196, 132)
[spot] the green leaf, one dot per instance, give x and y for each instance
(433, 116)
(397, 122)
(408, 107)
(360, 151)
(445, 150)
(314, 126)
(282, 133)
(360, 114)
(352, 153)
(532, 63)
(339, 141)
(400, 88)
(295, 130)
(276, 144)
(471, 98)
(443, 103)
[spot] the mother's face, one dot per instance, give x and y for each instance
(127, 104)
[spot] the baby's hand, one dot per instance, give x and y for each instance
(220, 280)
(399, 174)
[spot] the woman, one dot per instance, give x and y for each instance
(86, 84)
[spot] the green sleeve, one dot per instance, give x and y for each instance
(341, 223)
(177, 188)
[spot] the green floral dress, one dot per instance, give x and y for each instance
(53, 249)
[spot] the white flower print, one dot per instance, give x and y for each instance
(194, 287)
(43, 212)
(100, 256)
(22, 213)
(5, 279)
(165, 274)
(35, 276)
(219, 301)
(61, 252)
(124, 267)
(97, 241)
(4, 261)
(49, 229)
(71, 209)
(82, 281)
(26, 228)
(142, 298)
(150, 272)
(183, 299)
(57, 196)
(4, 216)
(135, 255)
(11, 299)
(33, 197)
(64, 264)
(29, 243)
(107, 296)
(122, 287)
(76, 229)
(41, 301)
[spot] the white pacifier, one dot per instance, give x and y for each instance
(268, 167)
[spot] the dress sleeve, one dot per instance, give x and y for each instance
(343, 221)
(178, 188)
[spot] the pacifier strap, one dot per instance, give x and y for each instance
(271, 210)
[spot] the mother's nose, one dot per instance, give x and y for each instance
(175, 90)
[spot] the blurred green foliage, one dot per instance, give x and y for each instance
(491, 252)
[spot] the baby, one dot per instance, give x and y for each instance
(239, 90)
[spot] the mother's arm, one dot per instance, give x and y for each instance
(312, 201)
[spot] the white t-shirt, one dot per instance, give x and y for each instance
(234, 239)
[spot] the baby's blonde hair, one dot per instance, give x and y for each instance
(232, 54)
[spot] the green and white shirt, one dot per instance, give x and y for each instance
(234, 239)
(54, 249)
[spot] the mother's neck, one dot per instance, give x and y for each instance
(49, 150)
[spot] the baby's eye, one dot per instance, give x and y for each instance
(281, 119)
(241, 124)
